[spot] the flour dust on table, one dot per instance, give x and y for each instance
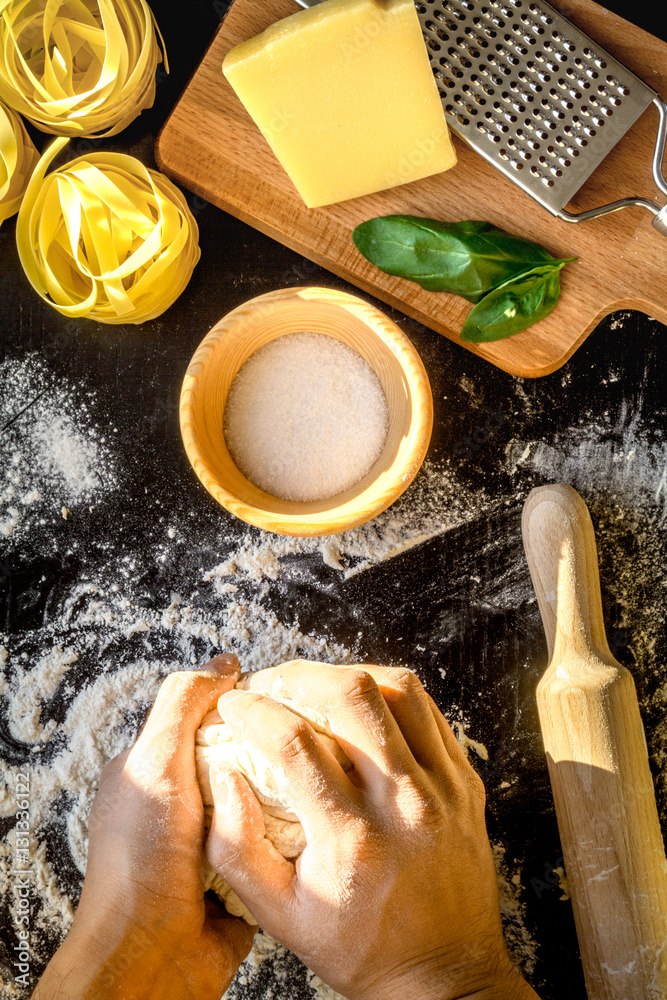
(54, 458)
(77, 682)
(97, 607)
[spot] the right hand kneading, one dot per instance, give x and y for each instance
(395, 896)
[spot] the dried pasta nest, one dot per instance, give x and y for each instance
(78, 67)
(105, 237)
(18, 158)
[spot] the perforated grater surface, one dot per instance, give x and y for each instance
(536, 97)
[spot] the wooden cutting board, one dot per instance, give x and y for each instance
(211, 146)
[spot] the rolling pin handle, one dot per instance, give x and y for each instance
(598, 764)
(562, 557)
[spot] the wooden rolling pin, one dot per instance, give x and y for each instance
(596, 751)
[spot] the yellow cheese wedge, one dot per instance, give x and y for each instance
(345, 96)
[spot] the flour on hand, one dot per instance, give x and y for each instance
(217, 744)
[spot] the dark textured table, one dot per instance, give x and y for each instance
(116, 566)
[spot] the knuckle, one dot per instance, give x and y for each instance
(181, 683)
(140, 767)
(408, 683)
(297, 740)
(467, 793)
(359, 687)
(175, 682)
(418, 815)
(250, 710)
(477, 787)
(422, 807)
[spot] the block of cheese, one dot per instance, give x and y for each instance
(345, 96)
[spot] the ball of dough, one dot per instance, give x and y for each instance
(216, 743)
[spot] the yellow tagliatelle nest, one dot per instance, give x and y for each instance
(105, 237)
(18, 157)
(78, 67)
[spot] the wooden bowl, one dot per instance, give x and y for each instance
(352, 321)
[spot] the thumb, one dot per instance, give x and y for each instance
(238, 849)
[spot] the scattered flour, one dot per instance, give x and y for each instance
(54, 457)
(610, 456)
(521, 946)
(67, 454)
(563, 883)
(437, 503)
(268, 952)
(29, 689)
(76, 688)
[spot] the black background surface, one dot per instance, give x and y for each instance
(450, 603)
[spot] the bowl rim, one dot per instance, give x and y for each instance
(324, 522)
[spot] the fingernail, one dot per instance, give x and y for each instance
(224, 664)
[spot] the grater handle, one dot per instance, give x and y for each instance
(659, 214)
(660, 141)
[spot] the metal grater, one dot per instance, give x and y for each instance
(536, 97)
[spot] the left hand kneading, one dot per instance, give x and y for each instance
(143, 927)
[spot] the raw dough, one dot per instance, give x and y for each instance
(216, 743)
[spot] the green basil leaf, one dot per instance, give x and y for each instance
(513, 306)
(465, 258)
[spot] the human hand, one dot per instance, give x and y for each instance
(143, 927)
(395, 894)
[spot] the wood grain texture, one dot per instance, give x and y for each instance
(598, 763)
(240, 333)
(211, 146)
